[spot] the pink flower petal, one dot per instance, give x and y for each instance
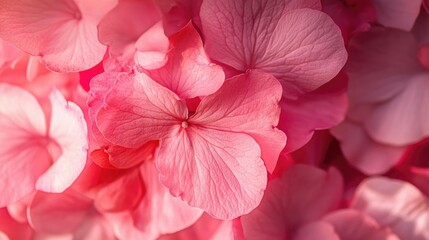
(288, 202)
(386, 80)
(395, 204)
(362, 152)
(316, 110)
(62, 33)
(123, 25)
(354, 225)
(316, 230)
(188, 71)
(154, 214)
(218, 171)
(23, 155)
(248, 103)
(138, 110)
(68, 129)
(399, 14)
(58, 213)
(11, 229)
(180, 13)
(276, 37)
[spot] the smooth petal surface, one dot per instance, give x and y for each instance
(123, 25)
(362, 152)
(23, 155)
(188, 71)
(58, 213)
(395, 204)
(64, 36)
(320, 109)
(154, 216)
(11, 229)
(354, 225)
(316, 230)
(138, 110)
(399, 14)
(68, 129)
(248, 103)
(218, 171)
(288, 202)
(276, 37)
(386, 80)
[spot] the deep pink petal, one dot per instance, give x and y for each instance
(23, 155)
(188, 71)
(154, 214)
(248, 103)
(276, 37)
(354, 225)
(320, 109)
(288, 202)
(58, 213)
(362, 152)
(394, 204)
(399, 14)
(179, 14)
(68, 129)
(62, 33)
(218, 171)
(138, 110)
(12, 229)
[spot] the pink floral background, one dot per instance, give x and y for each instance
(214, 119)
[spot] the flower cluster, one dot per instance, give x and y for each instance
(214, 119)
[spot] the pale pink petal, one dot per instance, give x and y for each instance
(399, 14)
(94, 227)
(68, 130)
(188, 71)
(247, 103)
(386, 80)
(8, 54)
(123, 25)
(23, 155)
(138, 110)
(62, 33)
(58, 213)
(354, 225)
(394, 204)
(315, 230)
(276, 37)
(320, 109)
(159, 212)
(364, 153)
(288, 202)
(218, 171)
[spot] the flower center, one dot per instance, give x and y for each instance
(185, 124)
